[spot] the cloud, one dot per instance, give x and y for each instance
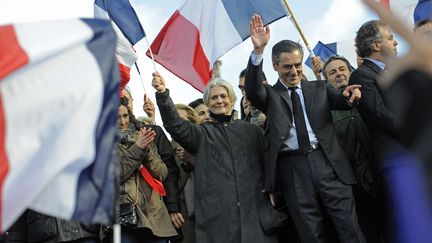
(340, 22)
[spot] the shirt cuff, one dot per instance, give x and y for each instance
(256, 59)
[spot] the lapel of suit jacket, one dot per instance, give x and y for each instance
(308, 91)
(281, 90)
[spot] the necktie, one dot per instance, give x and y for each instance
(300, 123)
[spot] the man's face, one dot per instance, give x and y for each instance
(338, 74)
(290, 68)
(424, 30)
(388, 45)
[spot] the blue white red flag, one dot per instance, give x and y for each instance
(124, 16)
(58, 120)
(343, 48)
(129, 31)
(200, 32)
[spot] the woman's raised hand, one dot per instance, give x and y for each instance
(158, 82)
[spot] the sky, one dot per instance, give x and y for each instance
(324, 20)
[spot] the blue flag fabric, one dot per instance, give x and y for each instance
(324, 51)
(423, 10)
(125, 17)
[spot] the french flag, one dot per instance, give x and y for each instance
(200, 32)
(129, 32)
(58, 120)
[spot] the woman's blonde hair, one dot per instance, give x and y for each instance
(192, 115)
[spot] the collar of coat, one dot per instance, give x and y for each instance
(221, 118)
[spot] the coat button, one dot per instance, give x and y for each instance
(238, 203)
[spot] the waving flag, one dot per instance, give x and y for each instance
(200, 32)
(123, 15)
(129, 32)
(324, 51)
(58, 113)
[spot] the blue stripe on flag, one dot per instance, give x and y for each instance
(423, 11)
(97, 184)
(241, 11)
(125, 17)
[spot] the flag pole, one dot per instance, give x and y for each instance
(139, 73)
(116, 233)
(294, 20)
(151, 53)
(297, 26)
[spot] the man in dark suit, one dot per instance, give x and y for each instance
(303, 159)
(375, 43)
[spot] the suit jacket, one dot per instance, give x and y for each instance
(375, 111)
(275, 102)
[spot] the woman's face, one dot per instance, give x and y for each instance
(203, 112)
(123, 118)
(219, 101)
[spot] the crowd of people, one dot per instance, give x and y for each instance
(305, 161)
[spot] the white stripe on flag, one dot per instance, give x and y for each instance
(404, 9)
(38, 40)
(124, 52)
(216, 37)
(61, 99)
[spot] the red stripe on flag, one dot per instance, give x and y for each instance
(177, 47)
(12, 56)
(385, 3)
(4, 164)
(124, 77)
